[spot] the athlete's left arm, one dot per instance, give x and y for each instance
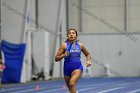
(87, 54)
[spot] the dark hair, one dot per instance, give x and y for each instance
(72, 29)
(75, 32)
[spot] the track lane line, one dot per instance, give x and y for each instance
(110, 90)
(134, 91)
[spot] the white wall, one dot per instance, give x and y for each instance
(73, 15)
(12, 23)
(13, 16)
(133, 15)
(112, 11)
(105, 49)
(121, 53)
(40, 48)
(49, 13)
(13, 20)
(103, 22)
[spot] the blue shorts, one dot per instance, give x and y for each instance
(71, 66)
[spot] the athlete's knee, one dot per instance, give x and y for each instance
(72, 84)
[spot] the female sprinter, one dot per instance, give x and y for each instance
(72, 65)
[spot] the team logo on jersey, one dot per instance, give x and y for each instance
(75, 50)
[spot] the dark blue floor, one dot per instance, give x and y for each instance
(92, 85)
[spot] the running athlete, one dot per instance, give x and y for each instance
(72, 64)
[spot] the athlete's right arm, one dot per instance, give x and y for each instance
(59, 54)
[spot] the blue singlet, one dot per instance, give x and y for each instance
(73, 62)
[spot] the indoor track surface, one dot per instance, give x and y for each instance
(85, 85)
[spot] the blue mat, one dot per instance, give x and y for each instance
(13, 54)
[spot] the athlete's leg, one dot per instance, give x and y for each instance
(67, 80)
(73, 80)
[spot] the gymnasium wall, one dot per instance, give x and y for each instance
(101, 37)
(117, 51)
(13, 26)
(110, 31)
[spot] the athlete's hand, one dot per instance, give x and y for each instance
(88, 63)
(66, 54)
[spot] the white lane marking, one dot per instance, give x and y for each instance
(134, 91)
(110, 90)
(26, 90)
(4, 89)
(86, 89)
(50, 90)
